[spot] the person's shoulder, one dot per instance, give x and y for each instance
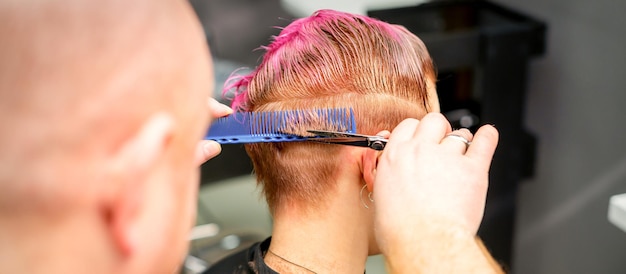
(247, 261)
(235, 263)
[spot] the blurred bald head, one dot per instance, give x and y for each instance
(77, 77)
(102, 104)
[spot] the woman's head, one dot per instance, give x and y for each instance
(332, 60)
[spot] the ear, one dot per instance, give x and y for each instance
(133, 164)
(370, 161)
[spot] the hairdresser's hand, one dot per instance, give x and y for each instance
(427, 179)
(207, 149)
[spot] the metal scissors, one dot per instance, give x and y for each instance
(350, 139)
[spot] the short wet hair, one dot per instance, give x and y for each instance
(331, 60)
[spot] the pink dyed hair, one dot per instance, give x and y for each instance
(331, 59)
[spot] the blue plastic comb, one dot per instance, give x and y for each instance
(278, 126)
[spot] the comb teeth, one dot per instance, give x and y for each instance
(279, 126)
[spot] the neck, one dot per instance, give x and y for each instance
(331, 238)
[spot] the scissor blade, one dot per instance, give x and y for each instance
(351, 139)
(336, 134)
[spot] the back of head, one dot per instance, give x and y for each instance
(85, 85)
(332, 60)
(76, 78)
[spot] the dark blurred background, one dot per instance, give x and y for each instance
(552, 81)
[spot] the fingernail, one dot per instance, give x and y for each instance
(225, 109)
(219, 107)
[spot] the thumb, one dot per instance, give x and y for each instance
(206, 150)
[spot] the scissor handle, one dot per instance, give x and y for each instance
(377, 144)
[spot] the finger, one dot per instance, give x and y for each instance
(206, 150)
(483, 145)
(384, 134)
(218, 109)
(457, 140)
(433, 127)
(404, 131)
